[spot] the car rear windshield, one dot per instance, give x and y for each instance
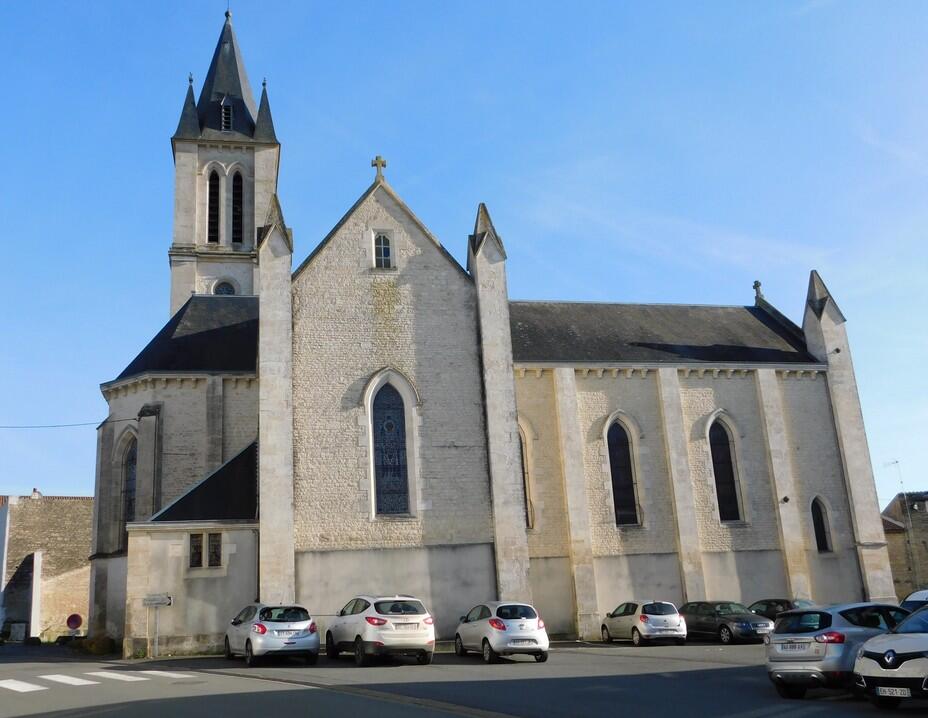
(658, 609)
(514, 613)
(399, 608)
(806, 622)
(283, 614)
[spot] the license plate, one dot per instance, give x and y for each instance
(406, 626)
(668, 630)
(894, 692)
(793, 647)
(287, 634)
(523, 642)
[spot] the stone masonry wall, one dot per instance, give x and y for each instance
(538, 414)
(350, 321)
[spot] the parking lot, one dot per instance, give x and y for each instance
(699, 679)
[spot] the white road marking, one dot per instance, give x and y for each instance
(21, 686)
(113, 675)
(68, 680)
(168, 674)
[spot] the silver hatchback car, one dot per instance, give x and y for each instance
(502, 628)
(644, 621)
(259, 630)
(816, 647)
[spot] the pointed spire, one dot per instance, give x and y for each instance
(227, 80)
(483, 230)
(264, 125)
(188, 128)
(818, 297)
(274, 218)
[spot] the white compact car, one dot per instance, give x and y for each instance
(259, 630)
(644, 621)
(382, 626)
(894, 666)
(502, 628)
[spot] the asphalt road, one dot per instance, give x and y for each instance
(578, 680)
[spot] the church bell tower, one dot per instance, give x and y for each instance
(226, 159)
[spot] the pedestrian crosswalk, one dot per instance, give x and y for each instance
(89, 678)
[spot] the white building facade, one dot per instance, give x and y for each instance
(383, 419)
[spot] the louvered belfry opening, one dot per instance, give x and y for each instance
(212, 217)
(237, 216)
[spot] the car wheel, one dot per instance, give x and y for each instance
(251, 660)
(725, 635)
(793, 693)
(331, 648)
(312, 659)
(228, 650)
(424, 658)
(887, 704)
(541, 657)
(637, 638)
(489, 655)
(360, 657)
(606, 637)
(459, 649)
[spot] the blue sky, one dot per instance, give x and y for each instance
(649, 152)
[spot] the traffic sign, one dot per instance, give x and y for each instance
(157, 599)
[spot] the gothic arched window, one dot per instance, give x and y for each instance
(820, 526)
(212, 211)
(129, 465)
(390, 472)
(526, 486)
(623, 478)
(238, 230)
(723, 466)
(383, 258)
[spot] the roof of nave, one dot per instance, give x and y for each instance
(230, 493)
(210, 333)
(661, 333)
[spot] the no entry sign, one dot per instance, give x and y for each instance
(75, 621)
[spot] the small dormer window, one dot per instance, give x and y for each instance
(226, 118)
(383, 256)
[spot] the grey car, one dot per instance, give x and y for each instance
(816, 647)
(728, 621)
(259, 630)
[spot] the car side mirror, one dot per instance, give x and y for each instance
(463, 619)
(609, 615)
(235, 622)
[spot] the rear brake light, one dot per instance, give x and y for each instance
(312, 627)
(428, 621)
(259, 628)
(830, 637)
(541, 624)
(497, 624)
(374, 621)
(643, 618)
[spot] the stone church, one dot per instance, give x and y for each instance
(380, 418)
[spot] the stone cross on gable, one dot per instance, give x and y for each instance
(379, 162)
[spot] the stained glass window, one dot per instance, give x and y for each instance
(212, 211)
(214, 550)
(623, 480)
(196, 550)
(723, 467)
(389, 431)
(383, 258)
(130, 464)
(820, 526)
(223, 288)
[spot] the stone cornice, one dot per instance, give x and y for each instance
(153, 380)
(642, 369)
(190, 525)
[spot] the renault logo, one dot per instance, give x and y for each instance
(889, 657)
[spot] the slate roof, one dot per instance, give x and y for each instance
(230, 493)
(210, 333)
(577, 332)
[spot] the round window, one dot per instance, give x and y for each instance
(223, 288)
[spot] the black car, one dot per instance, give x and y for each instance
(772, 607)
(728, 621)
